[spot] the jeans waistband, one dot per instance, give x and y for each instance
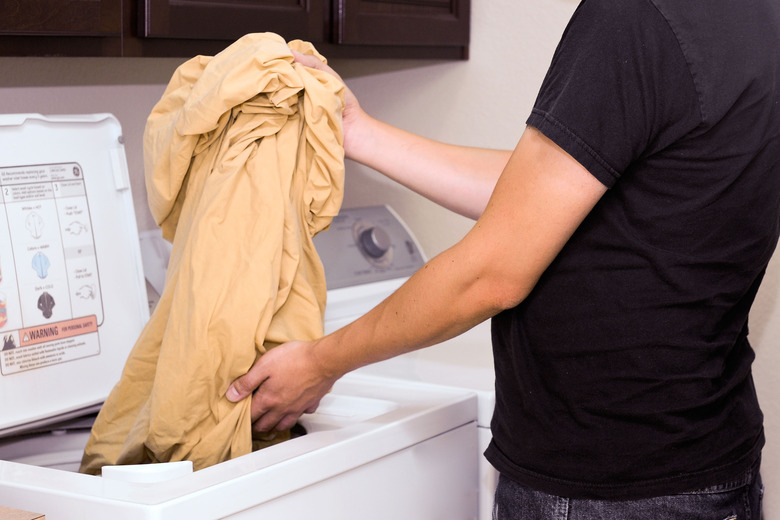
(744, 480)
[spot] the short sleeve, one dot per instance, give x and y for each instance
(618, 88)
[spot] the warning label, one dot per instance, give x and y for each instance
(61, 330)
(50, 297)
(51, 344)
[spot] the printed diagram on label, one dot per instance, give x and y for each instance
(50, 298)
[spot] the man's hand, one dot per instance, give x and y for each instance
(352, 113)
(284, 383)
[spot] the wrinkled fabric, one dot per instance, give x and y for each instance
(244, 165)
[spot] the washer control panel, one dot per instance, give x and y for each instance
(365, 245)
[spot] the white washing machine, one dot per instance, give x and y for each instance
(464, 362)
(73, 303)
(369, 252)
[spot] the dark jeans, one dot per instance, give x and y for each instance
(738, 500)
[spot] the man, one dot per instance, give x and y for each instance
(618, 250)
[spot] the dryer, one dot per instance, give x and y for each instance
(377, 447)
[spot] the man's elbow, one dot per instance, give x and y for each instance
(508, 293)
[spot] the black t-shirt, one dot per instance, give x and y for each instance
(626, 372)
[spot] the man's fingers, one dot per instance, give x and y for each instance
(243, 387)
(313, 408)
(308, 60)
(265, 423)
(273, 422)
(313, 62)
(287, 422)
(267, 419)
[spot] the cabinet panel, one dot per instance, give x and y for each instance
(231, 19)
(61, 17)
(402, 22)
(420, 29)
(60, 27)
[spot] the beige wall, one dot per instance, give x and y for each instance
(481, 102)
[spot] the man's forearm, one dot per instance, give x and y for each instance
(448, 296)
(459, 178)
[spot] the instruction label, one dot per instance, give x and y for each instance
(50, 296)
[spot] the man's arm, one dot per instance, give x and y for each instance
(460, 178)
(540, 199)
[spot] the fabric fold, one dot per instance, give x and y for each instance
(244, 165)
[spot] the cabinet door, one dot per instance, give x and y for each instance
(231, 19)
(61, 17)
(60, 27)
(402, 22)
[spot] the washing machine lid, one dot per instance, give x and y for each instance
(72, 291)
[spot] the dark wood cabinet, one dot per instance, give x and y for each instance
(72, 17)
(338, 28)
(402, 22)
(230, 19)
(39, 27)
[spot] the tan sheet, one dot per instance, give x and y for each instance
(244, 164)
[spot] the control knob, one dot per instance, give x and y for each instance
(374, 242)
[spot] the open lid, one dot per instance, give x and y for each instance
(72, 291)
